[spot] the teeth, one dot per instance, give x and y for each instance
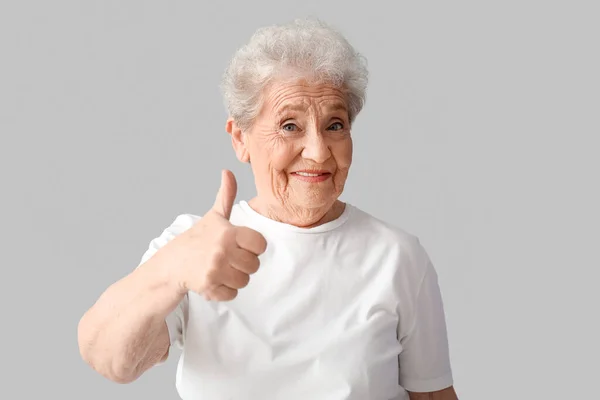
(307, 174)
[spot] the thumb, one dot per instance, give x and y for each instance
(226, 195)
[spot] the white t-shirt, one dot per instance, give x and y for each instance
(350, 309)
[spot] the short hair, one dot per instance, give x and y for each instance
(306, 49)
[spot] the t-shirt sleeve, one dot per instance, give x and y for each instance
(424, 361)
(176, 319)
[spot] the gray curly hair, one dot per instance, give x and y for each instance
(303, 49)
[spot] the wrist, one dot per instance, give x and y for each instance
(164, 276)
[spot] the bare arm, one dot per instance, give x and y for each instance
(124, 333)
(446, 394)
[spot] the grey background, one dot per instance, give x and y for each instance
(480, 135)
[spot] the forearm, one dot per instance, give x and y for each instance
(124, 332)
(446, 394)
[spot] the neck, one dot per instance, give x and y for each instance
(301, 217)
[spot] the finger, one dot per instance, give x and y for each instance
(234, 278)
(244, 260)
(221, 293)
(250, 240)
(226, 195)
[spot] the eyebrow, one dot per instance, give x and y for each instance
(291, 107)
(336, 107)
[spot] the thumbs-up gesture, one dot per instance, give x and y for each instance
(215, 258)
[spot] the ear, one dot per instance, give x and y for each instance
(238, 140)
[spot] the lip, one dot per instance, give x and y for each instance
(312, 171)
(324, 175)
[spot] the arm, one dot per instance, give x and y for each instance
(132, 325)
(445, 394)
(124, 333)
(425, 369)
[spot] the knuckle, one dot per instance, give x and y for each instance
(244, 280)
(232, 294)
(218, 257)
(246, 258)
(261, 243)
(254, 264)
(224, 294)
(211, 277)
(225, 234)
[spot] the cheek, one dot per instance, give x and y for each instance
(343, 155)
(268, 154)
(282, 157)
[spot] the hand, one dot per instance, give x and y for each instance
(215, 258)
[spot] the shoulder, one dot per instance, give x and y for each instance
(177, 225)
(181, 223)
(400, 247)
(385, 232)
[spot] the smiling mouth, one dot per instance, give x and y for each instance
(311, 172)
(312, 176)
(302, 173)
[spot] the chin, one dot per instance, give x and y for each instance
(312, 201)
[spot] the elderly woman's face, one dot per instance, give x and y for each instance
(300, 147)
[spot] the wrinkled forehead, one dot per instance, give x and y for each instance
(290, 97)
(304, 104)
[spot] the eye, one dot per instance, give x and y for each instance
(290, 127)
(336, 126)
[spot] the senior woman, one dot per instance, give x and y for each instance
(292, 294)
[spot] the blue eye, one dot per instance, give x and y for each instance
(339, 124)
(289, 127)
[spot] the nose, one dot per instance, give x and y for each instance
(316, 148)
